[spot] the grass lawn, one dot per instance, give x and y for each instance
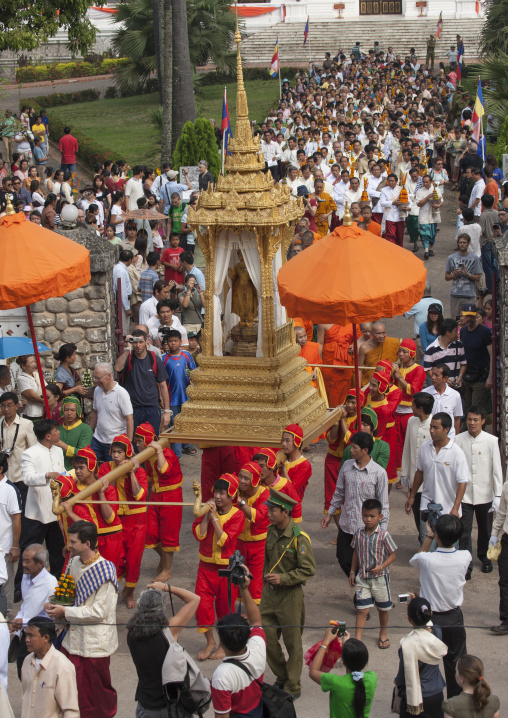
(123, 125)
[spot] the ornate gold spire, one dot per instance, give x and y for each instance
(9, 209)
(245, 196)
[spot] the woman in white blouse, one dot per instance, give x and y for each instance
(29, 387)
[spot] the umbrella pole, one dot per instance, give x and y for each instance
(357, 379)
(38, 360)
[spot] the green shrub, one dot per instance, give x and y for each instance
(186, 150)
(110, 93)
(207, 146)
(64, 70)
(56, 99)
(221, 77)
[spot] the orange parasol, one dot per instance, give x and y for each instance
(351, 275)
(150, 214)
(35, 264)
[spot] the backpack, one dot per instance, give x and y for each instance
(276, 702)
(128, 367)
(186, 689)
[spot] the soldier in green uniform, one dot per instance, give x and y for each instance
(431, 52)
(289, 563)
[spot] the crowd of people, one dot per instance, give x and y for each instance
(374, 138)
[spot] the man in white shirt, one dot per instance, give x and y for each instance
(121, 272)
(271, 152)
(165, 317)
(161, 180)
(483, 491)
(442, 579)
(39, 464)
(420, 310)
(374, 187)
(441, 470)
(353, 194)
(417, 432)
(148, 308)
(477, 192)
(445, 398)
(394, 211)
(10, 529)
(37, 585)
(16, 435)
(134, 188)
(289, 155)
(112, 412)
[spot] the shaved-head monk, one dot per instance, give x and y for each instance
(378, 347)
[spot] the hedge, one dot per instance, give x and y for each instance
(41, 102)
(221, 77)
(63, 70)
(90, 151)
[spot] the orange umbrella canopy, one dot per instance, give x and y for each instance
(351, 276)
(36, 263)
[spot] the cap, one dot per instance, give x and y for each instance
(469, 309)
(191, 335)
(71, 400)
(383, 379)
(368, 412)
(435, 308)
(123, 439)
(271, 457)
(171, 174)
(253, 469)
(297, 432)
(410, 345)
(386, 364)
(68, 486)
(232, 482)
(302, 190)
(354, 393)
(277, 498)
(146, 432)
(91, 458)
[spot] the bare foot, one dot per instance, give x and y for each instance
(128, 596)
(163, 576)
(334, 542)
(398, 485)
(207, 651)
(218, 655)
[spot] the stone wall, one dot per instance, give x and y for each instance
(501, 254)
(85, 316)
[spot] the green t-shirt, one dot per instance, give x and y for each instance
(176, 214)
(342, 691)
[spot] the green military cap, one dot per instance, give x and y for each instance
(277, 498)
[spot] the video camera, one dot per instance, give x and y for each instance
(431, 514)
(339, 627)
(164, 333)
(235, 572)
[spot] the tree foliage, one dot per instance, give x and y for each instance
(25, 25)
(207, 146)
(494, 71)
(494, 34)
(186, 151)
(135, 41)
(502, 142)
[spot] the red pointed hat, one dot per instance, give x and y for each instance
(297, 432)
(146, 432)
(383, 379)
(232, 481)
(91, 458)
(410, 345)
(253, 469)
(356, 393)
(125, 441)
(386, 364)
(271, 457)
(68, 486)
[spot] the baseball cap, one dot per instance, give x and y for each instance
(435, 308)
(469, 309)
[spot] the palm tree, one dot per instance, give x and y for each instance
(184, 108)
(135, 40)
(494, 34)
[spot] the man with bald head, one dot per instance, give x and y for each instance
(378, 347)
(309, 351)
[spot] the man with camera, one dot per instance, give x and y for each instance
(235, 684)
(442, 579)
(441, 468)
(289, 563)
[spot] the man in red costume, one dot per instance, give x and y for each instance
(217, 532)
(251, 542)
(337, 437)
(131, 487)
(334, 343)
(296, 468)
(104, 516)
(376, 398)
(410, 378)
(215, 461)
(164, 522)
(267, 460)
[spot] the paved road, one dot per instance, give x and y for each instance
(14, 97)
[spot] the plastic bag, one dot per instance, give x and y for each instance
(332, 655)
(494, 551)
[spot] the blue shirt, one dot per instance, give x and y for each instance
(177, 369)
(39, 156)
(420, 311)
(167, 190)
(146, 281)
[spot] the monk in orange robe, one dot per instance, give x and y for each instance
(334, 342)
(308, 326)
(378, 347)
(309, 351)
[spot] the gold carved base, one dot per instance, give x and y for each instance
(245, 341)
(253, 398)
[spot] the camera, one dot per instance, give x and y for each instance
(339, 627)
(404, 597)
(431, 514)
(164, 333)
(235, 571)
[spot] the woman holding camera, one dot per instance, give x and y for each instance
(352, 694)
(419, 681)
(148, 644)
(191, 304)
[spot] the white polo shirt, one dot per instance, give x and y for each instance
(449, 401)
(484, 466)
(112, 409)
(442, 472)
(442, 576)
(9, 506)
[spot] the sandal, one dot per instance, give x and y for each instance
(383, 643)
(190, 452)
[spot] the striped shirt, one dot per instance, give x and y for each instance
(372, 550)
(146, 281)
(453, 356)
(354, 486)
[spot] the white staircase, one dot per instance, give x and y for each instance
(393, 31)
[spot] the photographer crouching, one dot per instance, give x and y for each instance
(442, 579)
